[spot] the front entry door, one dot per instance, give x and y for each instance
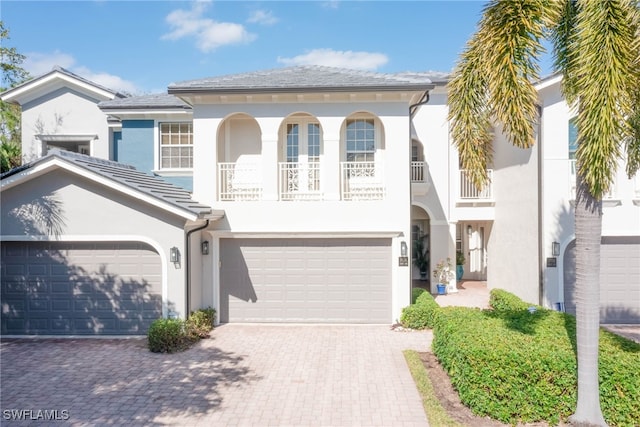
(475, 238)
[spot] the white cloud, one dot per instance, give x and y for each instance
(264, 17)
(331, 4)
(208, 33)
(338, 58)
(38, 63)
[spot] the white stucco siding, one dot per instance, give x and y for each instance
(513, 247)
(330, 217)
(621, 214)
(63, 111)
(59, 206)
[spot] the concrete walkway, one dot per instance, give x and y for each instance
(245, 375)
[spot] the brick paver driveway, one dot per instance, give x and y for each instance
(256, 375)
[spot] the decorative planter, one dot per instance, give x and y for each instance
(442, 288)
(423, 276)
(459, 272)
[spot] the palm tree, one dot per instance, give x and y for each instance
(596, 46)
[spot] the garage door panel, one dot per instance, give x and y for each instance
(80, 288)
(619, 279)
(304, 280)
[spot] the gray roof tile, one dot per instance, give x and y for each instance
(311, 77)
(127, 175)
(152, 101)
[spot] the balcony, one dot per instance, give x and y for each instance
(419, 171)
(469, 192)
(608, 199)
(361, 181)
(299, 181)
(239, 181)
(420, 182)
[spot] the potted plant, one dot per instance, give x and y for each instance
(459, 265)
(421, 257)
(444, 274)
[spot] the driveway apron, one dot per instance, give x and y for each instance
(244, 375)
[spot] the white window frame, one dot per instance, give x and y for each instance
(376, 138)
(171, 171)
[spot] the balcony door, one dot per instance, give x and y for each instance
(300, 168)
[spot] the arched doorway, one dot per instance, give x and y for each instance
(420, 242)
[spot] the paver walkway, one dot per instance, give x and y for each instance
(254, 375)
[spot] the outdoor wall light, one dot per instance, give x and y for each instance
(403, 248)
(174, 255)
(205, 247)
(555, 249)
(469, 230)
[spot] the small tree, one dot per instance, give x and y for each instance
(10, 125)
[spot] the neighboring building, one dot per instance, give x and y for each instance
(60, 111)
(326, 178)
(620, 250)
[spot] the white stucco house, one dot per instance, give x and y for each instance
(317, 182)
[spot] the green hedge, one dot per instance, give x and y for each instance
(167, 336)
(172, 335)
(519, 367)
(415, 293)
(501, 300)
(422, 314)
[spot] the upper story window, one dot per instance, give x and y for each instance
(573, 139)
(313, 134)
(293, 141)
(361, 140)
(176, 145)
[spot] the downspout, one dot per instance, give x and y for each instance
(187, 263)
(541, 264)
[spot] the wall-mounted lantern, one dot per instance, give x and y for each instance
(403, 248)
(174, 255)
(469, 230)
(555, 249)
(205, 247)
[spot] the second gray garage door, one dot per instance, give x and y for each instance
(65, 288)
(619, 279)
(305, 280)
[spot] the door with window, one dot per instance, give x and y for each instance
(300, 168)
(473, 243)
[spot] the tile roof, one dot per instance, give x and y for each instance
(152, 101)
(307, 78)
(127, 175)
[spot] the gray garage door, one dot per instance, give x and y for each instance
(60, 288)
(305, 280)
(619, 280)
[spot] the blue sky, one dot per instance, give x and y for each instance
(142, 46)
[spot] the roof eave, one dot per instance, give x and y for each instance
(297, 89)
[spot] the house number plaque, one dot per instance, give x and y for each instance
(403, 261)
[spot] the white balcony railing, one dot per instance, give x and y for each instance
(418, 171)
(361, 181)
(299, 181)
(239, 181)
(468, 190)
(609, 195)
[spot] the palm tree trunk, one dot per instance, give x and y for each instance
(588, 223)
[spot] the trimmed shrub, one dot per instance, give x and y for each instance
(415, 293)
(200, 322)
(520, 367)
(501, 300)
(422, 314)
(167, 336)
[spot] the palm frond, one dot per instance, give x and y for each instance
(605, 74)
(511, 32)
(469, 114)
